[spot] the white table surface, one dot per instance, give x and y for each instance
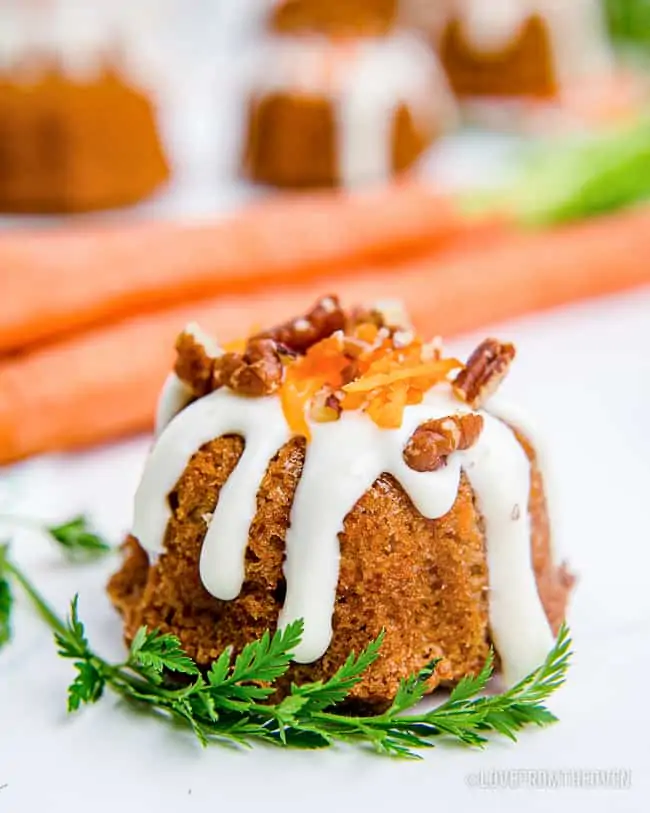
(585, 371)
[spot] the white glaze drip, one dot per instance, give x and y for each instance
(83, 37)
(174, 397)
(343, 460)
(220, 413)
(224, 549)
(387, 73)
(529, 428)
(499, 472)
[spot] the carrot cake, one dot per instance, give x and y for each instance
(340, 470)
(77, 132)
(523, 48)
(350, 112)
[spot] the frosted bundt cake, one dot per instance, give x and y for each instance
(76, 131)
(348, 112)
(529, 48)
(340, 470)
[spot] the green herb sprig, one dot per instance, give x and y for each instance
(75, 538)
(232, 701)
(78, 541)
(6, 598)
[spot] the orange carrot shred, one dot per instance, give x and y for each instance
(366, 333)
(435, 370)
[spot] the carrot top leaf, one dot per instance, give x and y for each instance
(233, 701)
(77, 540)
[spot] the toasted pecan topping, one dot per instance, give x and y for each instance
(485, 370)
(432, 442)
(330, 361)
(363, 316)
(194, 364)
(324, 319)
(256, 372)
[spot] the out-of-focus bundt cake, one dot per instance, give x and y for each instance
(348, 112)
(77, 132)
(523, 48)
(340, 470)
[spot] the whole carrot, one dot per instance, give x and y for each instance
(103, 384)
(58, 282)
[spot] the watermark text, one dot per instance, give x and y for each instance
(550, 779)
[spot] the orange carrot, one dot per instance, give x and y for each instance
(518, 274)
(53, 282)
(103, 384)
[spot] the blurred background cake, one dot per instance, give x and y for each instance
(523, 47)
(78, 129)
(344, 111)
(102, 101)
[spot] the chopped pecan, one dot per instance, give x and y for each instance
(195, 360)
(485, 370)
(393, 315)
(433, 441)
(326, 317)
(325, 406)
(256, 372)
(363, 316)
(389, 314)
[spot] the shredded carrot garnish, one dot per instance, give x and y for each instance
(414, 396)
(366, 333)
(295, 396)
(323, 365)
(353, 400)
(387, 410)
(385, 378)
(434, 370)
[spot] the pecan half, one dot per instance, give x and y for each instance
(256, 372)
(485, 370)
(432, 442)
(326, 317)
(195, 361)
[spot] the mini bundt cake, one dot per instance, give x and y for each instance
(325, 113)
(523, 48)
(76, 132)
(340, 470)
